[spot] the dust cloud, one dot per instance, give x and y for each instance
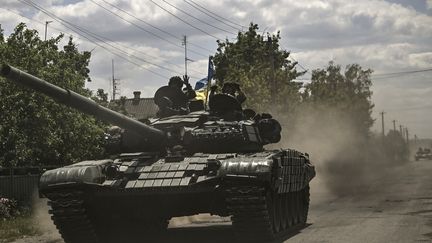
(346, 161)
(42, 219)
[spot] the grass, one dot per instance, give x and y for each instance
(19, 227)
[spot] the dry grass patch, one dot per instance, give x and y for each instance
(15, 228)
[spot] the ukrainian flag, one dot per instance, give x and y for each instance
(201, 95)
(201, 89)
(201, 86)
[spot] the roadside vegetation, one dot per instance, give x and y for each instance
(17, 227)
(34, 129)
(15, 222)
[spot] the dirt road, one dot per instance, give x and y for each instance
(394, 207)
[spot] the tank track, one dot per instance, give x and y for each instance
(70, 217)
(260, 215)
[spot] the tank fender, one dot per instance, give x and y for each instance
(252, 168)
(82, 172)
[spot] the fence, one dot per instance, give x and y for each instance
(19, 183)
(20, 187)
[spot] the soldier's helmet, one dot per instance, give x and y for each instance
(230, 88)
(175, 81)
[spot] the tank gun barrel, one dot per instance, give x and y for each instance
(83, 104)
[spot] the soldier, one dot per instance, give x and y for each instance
(177, 83)
(234, 90)
(228, 103)
(172, 100)
(231, 89)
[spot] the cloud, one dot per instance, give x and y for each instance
(382, 35)
(318, 25)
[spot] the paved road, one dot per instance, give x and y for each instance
(395, 206)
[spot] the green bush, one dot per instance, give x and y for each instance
(8, 208)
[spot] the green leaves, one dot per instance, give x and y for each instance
(349, 93)
(34, 129)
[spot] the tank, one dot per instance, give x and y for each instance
(423, 153)
(200, 162)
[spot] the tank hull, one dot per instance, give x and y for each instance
(269, 188)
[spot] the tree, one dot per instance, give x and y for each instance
(346, 93)
(396, 146)
(34, 129)
(262, 68)
(101, 97)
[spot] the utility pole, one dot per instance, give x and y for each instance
(382, 123)
(400, 130)
(114, 82)
(394, 125)
(46, 28)
(407, 135)
(415, 138)
(185, 53)
(273, 81)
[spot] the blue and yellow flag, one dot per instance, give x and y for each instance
(201, 86)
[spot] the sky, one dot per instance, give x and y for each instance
(144, 38)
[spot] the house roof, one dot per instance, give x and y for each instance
(141, 108)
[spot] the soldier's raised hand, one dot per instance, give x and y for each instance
(185, 79)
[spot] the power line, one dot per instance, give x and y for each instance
(155, 27)
(423, 107)
(211, 16)
(192, 3)
(202, 21)
(292, 58)
(81, 30)
(40, 22)
(104, 41)
(301, 66)
(215, 14)
(404, 72)
(119, 44)
(184, 21)
(141, 28)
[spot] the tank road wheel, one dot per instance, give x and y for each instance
(283, 211)
(304, 202)
(70, 217)
(251, 216)
(260, 216)
(291, 209)
(273, 203)
(295, 207)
